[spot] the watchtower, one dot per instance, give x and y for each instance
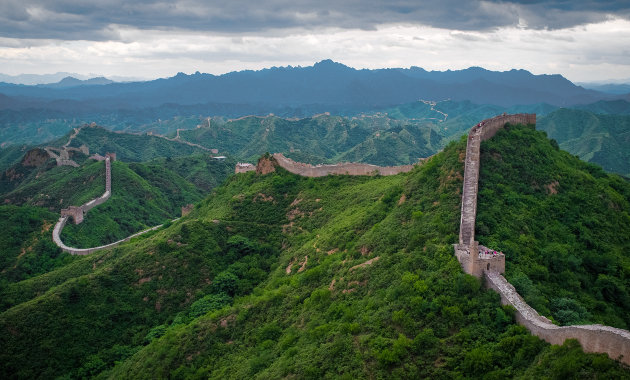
(76, 212)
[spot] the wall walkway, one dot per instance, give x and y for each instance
(348, 168)
(593, 338)
(75, 211)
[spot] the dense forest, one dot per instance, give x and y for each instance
(278, 275)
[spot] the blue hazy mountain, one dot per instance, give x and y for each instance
(69, 81)
(325, 83)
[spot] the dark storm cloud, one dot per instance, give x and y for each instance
(98, 20)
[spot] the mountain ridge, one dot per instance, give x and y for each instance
(328, 82)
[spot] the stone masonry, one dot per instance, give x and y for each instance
(77, 213)
(593, 338)
(244, 167)
(348, 168)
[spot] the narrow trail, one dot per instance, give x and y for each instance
(72, 136)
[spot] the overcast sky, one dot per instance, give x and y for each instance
(582, 40)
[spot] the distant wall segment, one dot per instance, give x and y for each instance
(78, 212)
(349, 168)
(473, 259)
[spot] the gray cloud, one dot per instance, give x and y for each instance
(99, 20)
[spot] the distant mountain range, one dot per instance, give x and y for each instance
(326, 83)
(35, 79)
(609, 88)
(68, 82)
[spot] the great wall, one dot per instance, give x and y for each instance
(77, 213)
(474, 260)
(344, 168)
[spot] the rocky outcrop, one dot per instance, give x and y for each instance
(266, 165)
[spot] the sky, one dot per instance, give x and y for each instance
(583, 40)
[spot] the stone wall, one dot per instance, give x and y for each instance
(78, 212)
(86, 251)
(593, 338)
(244, 167)
(61, 223)
(480, 132)
(350, 168)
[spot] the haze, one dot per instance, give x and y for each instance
(582, 40)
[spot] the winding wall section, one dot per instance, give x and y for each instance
(78, 212)
(593, 338)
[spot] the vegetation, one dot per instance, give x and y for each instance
(143, 196)
(129, 147)
(598, 138)
(202, 170)
(25, 243)
(563, 224)
(284, 276)
(376, 139)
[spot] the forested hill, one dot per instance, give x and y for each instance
(128, 146)
(278, 275)
(144, 194)
(563, 224)
(598, 138)
(375, 139)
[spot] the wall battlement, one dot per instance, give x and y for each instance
(593, 338)
(347, 168)
(75, 211)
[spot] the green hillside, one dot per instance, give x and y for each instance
(280, 276)
(564, 224)
(378, 140)
(202, 170)
(142, 196)
(11, 155)
(128, 147)
(53, 187)
(452, 119)
(26, 246)
(597, 138)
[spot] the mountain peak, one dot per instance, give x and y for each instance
(330, 64)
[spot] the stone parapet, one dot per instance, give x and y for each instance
(348, 168)
(475, 261)
(86, 251)
(593, 338)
